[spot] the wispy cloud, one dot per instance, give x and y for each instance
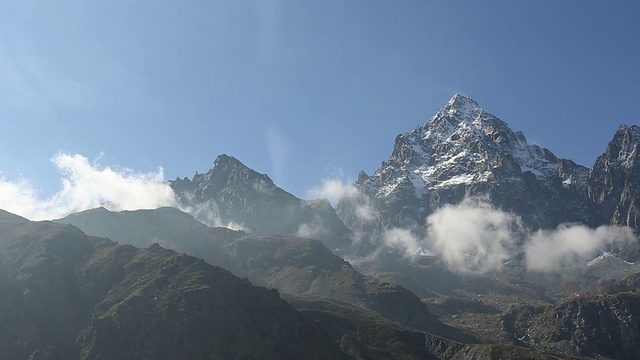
(87, 185)
(332, 188)
(209, 214)
(278, 150)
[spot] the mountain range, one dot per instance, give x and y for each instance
(244, 269)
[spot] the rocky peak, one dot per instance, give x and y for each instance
(462, 106)
(228, 170)
(462, 143)
(225, 162)
(463, 115)
(226, 174)
(233, 195)
(614, 182)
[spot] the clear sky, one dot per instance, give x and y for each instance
(301, 90)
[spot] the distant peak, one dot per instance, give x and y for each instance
(225, 160)
(459, 100)
(226, 165)
(459, 109)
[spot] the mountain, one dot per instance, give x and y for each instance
(614, 185)
(234, 196)
(292, 265)
(464, 151)
(66, 295)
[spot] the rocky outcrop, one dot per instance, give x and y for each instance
(591, 325)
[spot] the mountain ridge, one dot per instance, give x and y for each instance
(66, 295)
(232, 195)
(464, 151)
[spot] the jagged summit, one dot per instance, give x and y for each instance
(227, 171)
(463, 143)
(224, 160)
(461, 101)
(635, 129)
(462, 104)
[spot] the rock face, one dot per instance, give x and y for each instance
(232, 195)
(66, 295)
(614, 183)
(464, 151)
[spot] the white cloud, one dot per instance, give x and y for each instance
(550, 250)
(331, 189)
(473, 237)
(403, 240)
(87, 185)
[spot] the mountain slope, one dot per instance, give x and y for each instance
(66, 295)
(232, 195)
(292, 265)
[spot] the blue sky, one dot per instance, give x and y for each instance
(300, 90)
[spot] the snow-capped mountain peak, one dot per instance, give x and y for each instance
(462, 143)
(463, 150)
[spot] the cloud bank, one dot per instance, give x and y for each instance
(550, 250)
(475, 238)
(87, 185)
